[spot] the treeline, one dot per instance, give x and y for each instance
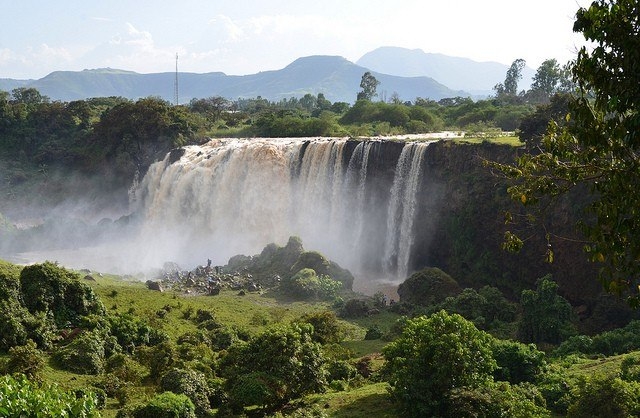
(122, 137)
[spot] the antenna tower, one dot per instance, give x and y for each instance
(175, 84)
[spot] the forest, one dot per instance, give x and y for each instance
(282, 333)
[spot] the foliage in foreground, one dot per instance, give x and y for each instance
(20, 398)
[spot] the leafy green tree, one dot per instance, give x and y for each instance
(517, 362)
(369, 85)
(598, 151)
(534, 126)
(21, 398)
(326, 328)
(191, 383)
(165, 405)
(499, 399)
(514, 74)
(434, 355)
(545, 81)
(280, 364)
(85, 354)
(605, 397)
(58, 292)
(27, 360)
(546, 316)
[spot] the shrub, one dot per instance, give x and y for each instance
(307, 284)
(166, 405)
(434, 355)
(285, 356)
(52, 289)
(496, 400)
(191, 383)
(605, 397)
(19, 398)
(630, 368)
(125, 368)
(517, 362)
(546, 316)
(326, 328)
(354, 308)
(83, 355)
(428, 287)
(26, 359)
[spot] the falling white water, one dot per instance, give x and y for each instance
(234, 196)
(402, 208)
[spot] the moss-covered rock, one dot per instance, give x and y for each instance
(428, 287)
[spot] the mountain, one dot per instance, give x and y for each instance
(478, 78)
(337, 78)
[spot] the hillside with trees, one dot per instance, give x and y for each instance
(282, 333)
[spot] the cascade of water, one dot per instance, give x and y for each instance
(402, 206)
(234, 196)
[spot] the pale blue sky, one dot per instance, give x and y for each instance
(243, 37)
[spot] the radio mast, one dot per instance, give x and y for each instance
(175, 84)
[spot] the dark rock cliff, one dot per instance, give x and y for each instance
(461, 226)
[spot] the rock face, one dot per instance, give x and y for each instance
(462, 227)
(382, 208)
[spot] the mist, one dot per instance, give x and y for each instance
(353, 201)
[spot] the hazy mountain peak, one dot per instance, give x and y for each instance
(454, 72)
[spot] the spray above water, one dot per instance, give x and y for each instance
(233, 196)
(354, 201)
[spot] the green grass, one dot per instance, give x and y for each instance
(607, 366)
(513, 141)
(371, 400)
(253, 311)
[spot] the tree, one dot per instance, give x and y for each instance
(545, 81)
(546, 316)
(274, 367)
(510, 85)
(434, 355)
(598, 151)
(369, 85)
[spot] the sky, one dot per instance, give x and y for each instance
(241, 37)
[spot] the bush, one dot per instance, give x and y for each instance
(354, 308)
(27, 360)
(125, 368)
(191, 383)
(20, 398)
(84, 355)
(517, 362)
(428, 287)
(496, 400)
(605, 397)
(326, 328)
(307, 284)
(546, 316)
(434, 355)
(285, 358)
(54, 290)
(630, 368)
(166, 405)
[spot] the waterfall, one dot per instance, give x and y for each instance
(234, 196)
(402, 208)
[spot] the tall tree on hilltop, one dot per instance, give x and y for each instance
(369, 85)
(514, 75)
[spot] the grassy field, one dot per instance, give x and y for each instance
(252, 312)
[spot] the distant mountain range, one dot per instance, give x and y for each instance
(409, 73)
(477, 78)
